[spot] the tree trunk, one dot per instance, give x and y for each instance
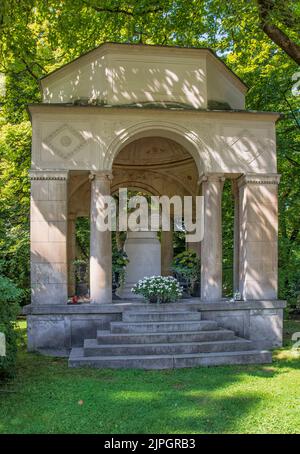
(278, 36)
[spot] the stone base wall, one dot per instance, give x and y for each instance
(57, 334)
(54, 330)
(263, 326)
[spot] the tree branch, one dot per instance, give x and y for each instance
(110, 10)
(294, 163)
(29, 69)
(100, 9)
(278, 36)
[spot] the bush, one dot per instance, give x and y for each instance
(15, 143)
(186, 267)
(10, 296)
(119, 262)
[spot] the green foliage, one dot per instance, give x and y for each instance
(179, 244)
(186, 267)
(15, 141)
(227, 237)
(119, 262)
(82, 233)
(10, 295)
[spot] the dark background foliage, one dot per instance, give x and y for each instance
(10, 295)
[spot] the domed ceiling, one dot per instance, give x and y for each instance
(152, 152)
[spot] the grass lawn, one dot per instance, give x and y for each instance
(47, 397)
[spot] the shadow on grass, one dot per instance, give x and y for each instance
(215, 414)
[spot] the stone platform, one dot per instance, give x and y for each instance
(253, 326)
(158, 338)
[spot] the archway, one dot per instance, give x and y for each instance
(160, 166)
(185, 138)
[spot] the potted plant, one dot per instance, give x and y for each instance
(158, 289)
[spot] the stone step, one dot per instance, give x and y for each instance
(164, 308)
(130, 316)
(162, 327)
(77, 359)
(92, 348)
(106, 337)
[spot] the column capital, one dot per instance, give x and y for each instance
(101, 175)
(48, 174)
(258, 178)
(211, 176)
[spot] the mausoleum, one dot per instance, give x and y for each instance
(166, 121)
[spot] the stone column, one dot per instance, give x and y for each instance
(71, 253)
(167, 252)
(236, 236)
(258, 236)
(100, 243)
(48, 237)
(211, 245)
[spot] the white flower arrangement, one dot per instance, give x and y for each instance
(158, 289)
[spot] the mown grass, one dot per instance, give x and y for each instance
(47, 397)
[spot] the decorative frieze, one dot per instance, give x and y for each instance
(48, 174)
(254, 178)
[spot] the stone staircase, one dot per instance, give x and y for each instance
(159, 338)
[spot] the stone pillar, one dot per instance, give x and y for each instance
(211, 245)
(71, 253)
(167, 252)
(236, 236)
(48, 237)
(258, 236)
(100, 243)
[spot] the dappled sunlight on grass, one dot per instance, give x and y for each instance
(287, 354)
(135, 395)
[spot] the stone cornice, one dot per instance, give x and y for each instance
(115, 308)
(61, 108)
(48, 174)
(259, 178)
